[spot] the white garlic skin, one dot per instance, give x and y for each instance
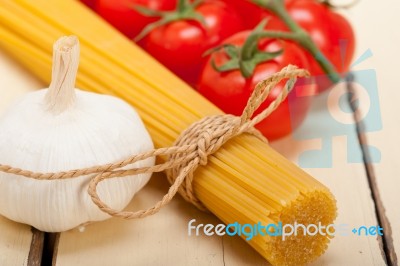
(95, 130)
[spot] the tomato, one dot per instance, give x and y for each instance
(330, 31)
(230, 90)
(122, 15)
(89, 3)
(180, 44)
(250, 13)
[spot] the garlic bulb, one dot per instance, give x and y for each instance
(59, 129)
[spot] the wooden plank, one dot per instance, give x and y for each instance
(347, 181)
(163, 238)
(384, 174)
(18, 244)
(15, 243)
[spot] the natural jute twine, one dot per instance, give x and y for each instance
(191, 149)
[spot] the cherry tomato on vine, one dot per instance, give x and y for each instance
(250, 13)
(223, 82)
(182, 37)
(123, 16)
(330, 31)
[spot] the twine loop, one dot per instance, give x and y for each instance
(208, 135)
(191, 149)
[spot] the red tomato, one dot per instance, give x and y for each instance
(180, 45)
(250, 13)
(89, 3)
(122, 15)
(230, 90)
(330, 31)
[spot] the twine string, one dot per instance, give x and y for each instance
(191, 150)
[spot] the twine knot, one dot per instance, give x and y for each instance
(192, 149)
(212, 132)
(207, 136)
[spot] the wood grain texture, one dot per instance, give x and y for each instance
(385, 173)
(347, 181)
(15, 242)
(163, 239)
(19, 245)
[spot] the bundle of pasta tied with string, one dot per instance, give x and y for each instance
(218, 162)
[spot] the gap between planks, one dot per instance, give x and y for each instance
(387, 240)
(50, 241)
(43, 248)
(36, 248)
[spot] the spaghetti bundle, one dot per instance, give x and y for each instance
(246, 181)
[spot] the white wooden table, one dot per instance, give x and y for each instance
(367, 193)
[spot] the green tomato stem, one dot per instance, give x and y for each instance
(185, 10)
(247, 57)
(298, 35)
(181, 5)
(250, 45)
